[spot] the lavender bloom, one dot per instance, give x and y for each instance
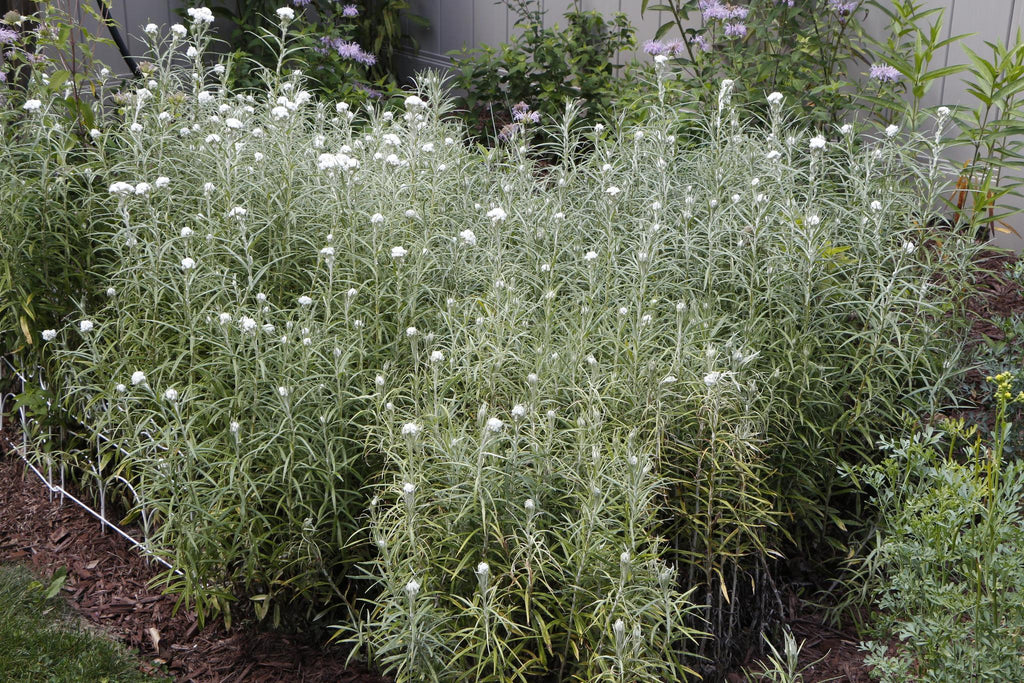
(702, 44)
(301, 3)
(655, 47)
(508, 131)
(884, 73)
(7, 35)
(347, 50)
(843, 7)
(349, 11)
(521, 112)
(713, 9)
(675, 47)
(735, 30)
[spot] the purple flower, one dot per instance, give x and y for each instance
(735, 30)
(702, 44)
(655, 47)
(349, 11)
(301, 3)
(714, 9)
(884, 73)
(508, 131)
(7, 35)
(843, 7)
(521, 112)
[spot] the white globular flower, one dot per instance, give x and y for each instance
(305, 300)
(775, 98)
(247, 324)
(138, 377)
(892, 130)
(590, 255)
(408, 488)
(32, 105)
(712, 378)
(232, 123)
(414, 102)
(846, 129)
(186, 232)
(668, 379)
(660, 60)
(187, 263)
(518, 411)
(192, 52)
(111, 292)
(412, 588)
(376, 219)
(436, 356)
(813, 220)
(201, 15)
(234, 427)
(120, 388)
(212, 138)
(483, 569)
(497, 214)
(612, 190)
(171, 394)
(143, 189)
(203, 97)
(494, 425)
(86, 326)
(530, 505)
(279, 113)
(817, 142)
(49, 335)
(122, 188)
(179, 30)
(411, 331)
(327, 253)
(876, 205)
(224, 318)
(151, 29)
(398, 252)
(282, 392)
(285, 13)
(909, 247)
(379, 381)
(162, 182)
(411, 429)
(237, 212)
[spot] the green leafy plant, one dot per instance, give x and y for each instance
(348, 48)
(948, 557)
(800, 49)
(544, 68)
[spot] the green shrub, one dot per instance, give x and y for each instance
(949, 556)
(541, 69)
(340, 343)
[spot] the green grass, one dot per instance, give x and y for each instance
(41, 641)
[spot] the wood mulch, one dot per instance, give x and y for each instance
(108, 585)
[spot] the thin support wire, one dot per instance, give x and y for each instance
(64, 493)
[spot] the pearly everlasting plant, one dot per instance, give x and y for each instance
(507, 423)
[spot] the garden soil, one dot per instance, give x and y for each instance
(108, 581)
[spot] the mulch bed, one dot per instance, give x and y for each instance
(108, 582)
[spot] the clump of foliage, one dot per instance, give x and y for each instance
(542, 68)
(41, 642)
(949, 559)
(348, 47)
(801, 49)
(500, 418)
(46, 181)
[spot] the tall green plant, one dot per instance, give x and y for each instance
(949, 558)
